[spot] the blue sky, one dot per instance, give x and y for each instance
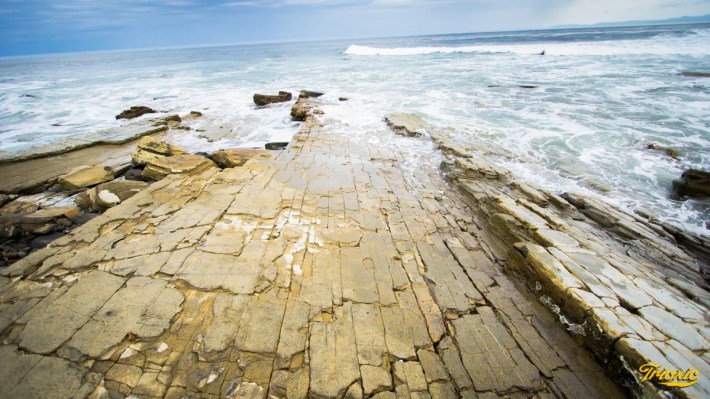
(49, 26)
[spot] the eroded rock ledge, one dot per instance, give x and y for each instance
(328, 271)
(634, 290)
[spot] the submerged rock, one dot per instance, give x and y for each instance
(135, 112)
(309, 94)
(406, 124)
(528, 86)
(667, 150)
(232, 157)
(691, 74)
(265, 99)
(178, 164)
(693, 183)
(343, 99)
(86, 176)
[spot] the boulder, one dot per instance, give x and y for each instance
(154, 145)
(83, 200)
(309, 94)
(86, 176)
(150, 149)
(135, 112)
(232, 157)
(178, 164)
(276, 146)
(406, 124)
(693, 183)
(301, 109)
(110, 194)
(133, 174)
(265, 99)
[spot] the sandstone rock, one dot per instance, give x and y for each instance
(135, 112)
(232, 157)
(406, 124)
(4, 199)
(151, 149)
(265, 99)
(195, 113)
(179, 164)
(110, 194)
(693, 183)
(154, 145)
(301, 109)
(309, 94)
(86, 176)
(83, 200)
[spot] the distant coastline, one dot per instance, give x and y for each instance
(670, 21)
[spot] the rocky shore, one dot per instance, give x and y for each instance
(324, 269)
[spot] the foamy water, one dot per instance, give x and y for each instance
(602, 95)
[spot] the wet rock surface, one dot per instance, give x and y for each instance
(135, 112)
(232, 157)
(179, 164)
(406, 124)
(326, 272)
(693, 183)
(266, 99)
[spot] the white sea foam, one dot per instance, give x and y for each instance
(588, 119)
(695, 46)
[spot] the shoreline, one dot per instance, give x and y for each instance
(441, 264)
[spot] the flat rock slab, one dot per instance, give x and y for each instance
(178, 164)
(116, 135)
(407, 124)
(86, 176)
(318, 272)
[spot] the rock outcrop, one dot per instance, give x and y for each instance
(135, 112)
(693, 183)
(666, 150)
(232, 157)
(265, 99)
(108, 195)
(179, 164)
(150, 149)
(303, 108)
(406, 124)
(691, 74)
(86, 176)
(309, 94)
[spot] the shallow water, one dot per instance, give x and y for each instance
(602, 95)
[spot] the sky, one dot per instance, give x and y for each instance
(52, 26)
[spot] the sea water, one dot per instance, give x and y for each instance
(601, 95)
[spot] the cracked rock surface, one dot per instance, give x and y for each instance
(324, 272)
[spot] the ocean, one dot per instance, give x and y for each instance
(600, 96)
